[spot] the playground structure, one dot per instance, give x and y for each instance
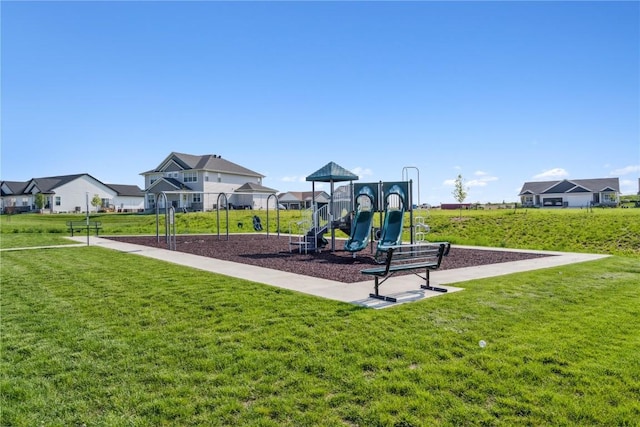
(352, 208)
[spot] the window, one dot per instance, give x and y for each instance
(190, 177)
(58, 201)
(552, 201)
(25, 201)
(196, 198)
(608, 197)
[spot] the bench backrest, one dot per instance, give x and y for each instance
(427, 253)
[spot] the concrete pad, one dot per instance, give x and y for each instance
(405, 288)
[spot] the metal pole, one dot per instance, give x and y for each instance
(405, 172)
(87, 197)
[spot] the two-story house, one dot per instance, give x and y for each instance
(200, 183)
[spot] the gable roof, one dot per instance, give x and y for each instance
(301, 196)
(595, 185)
(207, 162)
(252, 187)
(332, 172)
(127, 190)
(168, 184)
(13, 187)
(50, 183)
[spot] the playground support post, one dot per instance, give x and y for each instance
(87, 194)
(226, 203)
(277, 213)
(172, 232)
(158, 216)
(405, 176)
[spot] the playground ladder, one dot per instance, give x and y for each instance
(421, 229)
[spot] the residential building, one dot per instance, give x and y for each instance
(202, 183)
(571, 193)
(69, 193)
(302, 199)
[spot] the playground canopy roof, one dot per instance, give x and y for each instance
(332, 172)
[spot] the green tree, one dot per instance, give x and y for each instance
(459, 191)
(96, 202)
(40, 200)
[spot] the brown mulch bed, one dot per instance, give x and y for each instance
(273, 252)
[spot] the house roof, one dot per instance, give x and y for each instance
(13, 187)
(302, 196)
(50, 183)
(252, 187)
(127, 190)
(168, 184)
(207, 162)
(571, 186)
(332, 172)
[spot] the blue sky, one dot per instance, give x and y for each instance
(498, 92)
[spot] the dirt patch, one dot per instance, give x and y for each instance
(339, 265)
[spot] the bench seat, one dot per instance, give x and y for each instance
(416, 258)
(75, 226)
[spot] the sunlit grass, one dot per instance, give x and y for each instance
(150, 343)
(609, 231)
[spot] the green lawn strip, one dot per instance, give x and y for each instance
(151, 343)
(28, 240)
(609, 231)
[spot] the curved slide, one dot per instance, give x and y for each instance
(393, 219)
(392, 229)
(360, 231)
(361, 225)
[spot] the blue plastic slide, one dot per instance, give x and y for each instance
(361, 226)
(393, 219)
(360, 231)
(392, 229)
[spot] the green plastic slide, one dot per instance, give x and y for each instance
(360, 231)
(392, 229)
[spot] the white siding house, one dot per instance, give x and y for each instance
(571, 193)
(200, 183)
(68, 193)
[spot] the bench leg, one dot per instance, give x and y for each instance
(378, 296)
(428, 286)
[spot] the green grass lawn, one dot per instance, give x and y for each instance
(610, 231)
(100, 338)
(150, 343)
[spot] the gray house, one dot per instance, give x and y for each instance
(571, 193)
(302, 199)
(201, 183)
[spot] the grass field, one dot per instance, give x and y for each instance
(611, 231)
(100, 338)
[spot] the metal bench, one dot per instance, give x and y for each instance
(75, 226)
(419, 257)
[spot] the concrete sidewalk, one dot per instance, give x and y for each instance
(405, 288)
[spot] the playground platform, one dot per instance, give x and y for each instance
(404, 288)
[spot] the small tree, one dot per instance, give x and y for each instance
(459, 192)
(39, 201)
(96, 202)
